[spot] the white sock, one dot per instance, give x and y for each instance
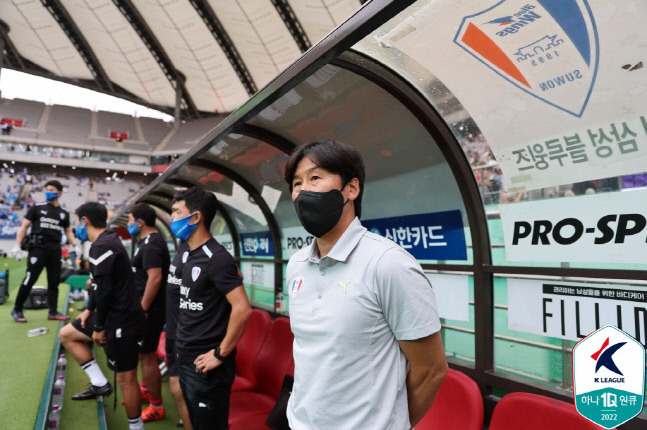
(92, 369)
(136, 423)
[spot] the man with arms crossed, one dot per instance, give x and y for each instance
(361, 308)
(150, 262)
(118, 322)
(213, 312)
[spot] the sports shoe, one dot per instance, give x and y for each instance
(93, 391)
(58, 316)
(146, 396)
(18, 316)
(152, 414)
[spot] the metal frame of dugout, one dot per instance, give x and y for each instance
(336, 49)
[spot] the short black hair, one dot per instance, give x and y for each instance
(336, 157)
(197, 199)
(96, 213)
(145, 213)
(56, 184)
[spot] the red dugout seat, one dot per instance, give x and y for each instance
(161, 347)
(534, 412)
(458, 405)
(272, 363)
(247, 349)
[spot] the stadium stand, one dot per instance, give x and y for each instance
(46, 127)
(110, 121)
(188, 135)
(27, 110)
(69, 124)
(154, 130)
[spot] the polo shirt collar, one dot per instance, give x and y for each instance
(344, 246)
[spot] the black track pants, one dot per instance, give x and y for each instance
(37, 259)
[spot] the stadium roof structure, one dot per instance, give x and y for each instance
(188, 58)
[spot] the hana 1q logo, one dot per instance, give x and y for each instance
(547, 48)
(609, 377)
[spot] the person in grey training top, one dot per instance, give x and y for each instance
(361, 308)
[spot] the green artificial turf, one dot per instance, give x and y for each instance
(117, 419)
(24, 361)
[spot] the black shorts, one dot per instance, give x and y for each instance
(207, 396)
(171, 358)
(152, 329)
(121, 348)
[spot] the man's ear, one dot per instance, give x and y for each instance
(352, 188)
(199, 217)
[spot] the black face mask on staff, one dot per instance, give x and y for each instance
(319, 212)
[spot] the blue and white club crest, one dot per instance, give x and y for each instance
(297, 283)
(547, 48)
(195, 272)
(62, 216)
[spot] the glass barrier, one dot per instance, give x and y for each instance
(76, 154)
(402, 162)
(543, 144)
(538, 321)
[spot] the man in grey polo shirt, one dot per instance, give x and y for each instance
(361, 308)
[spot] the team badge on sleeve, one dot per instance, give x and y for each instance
(297, 283)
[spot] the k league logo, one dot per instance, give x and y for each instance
(547, 48)
(609, 377)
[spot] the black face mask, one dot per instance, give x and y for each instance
(319, 212)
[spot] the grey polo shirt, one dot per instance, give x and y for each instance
(347, 312)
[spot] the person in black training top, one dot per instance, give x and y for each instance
(213, 312)
(117, 324)
(150, 262)
(48, 221)
(172, 309)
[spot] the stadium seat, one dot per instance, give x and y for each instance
(251, 422)
(161, 347)
(272, 363)
(534, 412)
(247, 349)
(458, 405)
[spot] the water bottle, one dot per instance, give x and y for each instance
(37, 331)
(54, 418)
(61, 366)
(59, 392)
